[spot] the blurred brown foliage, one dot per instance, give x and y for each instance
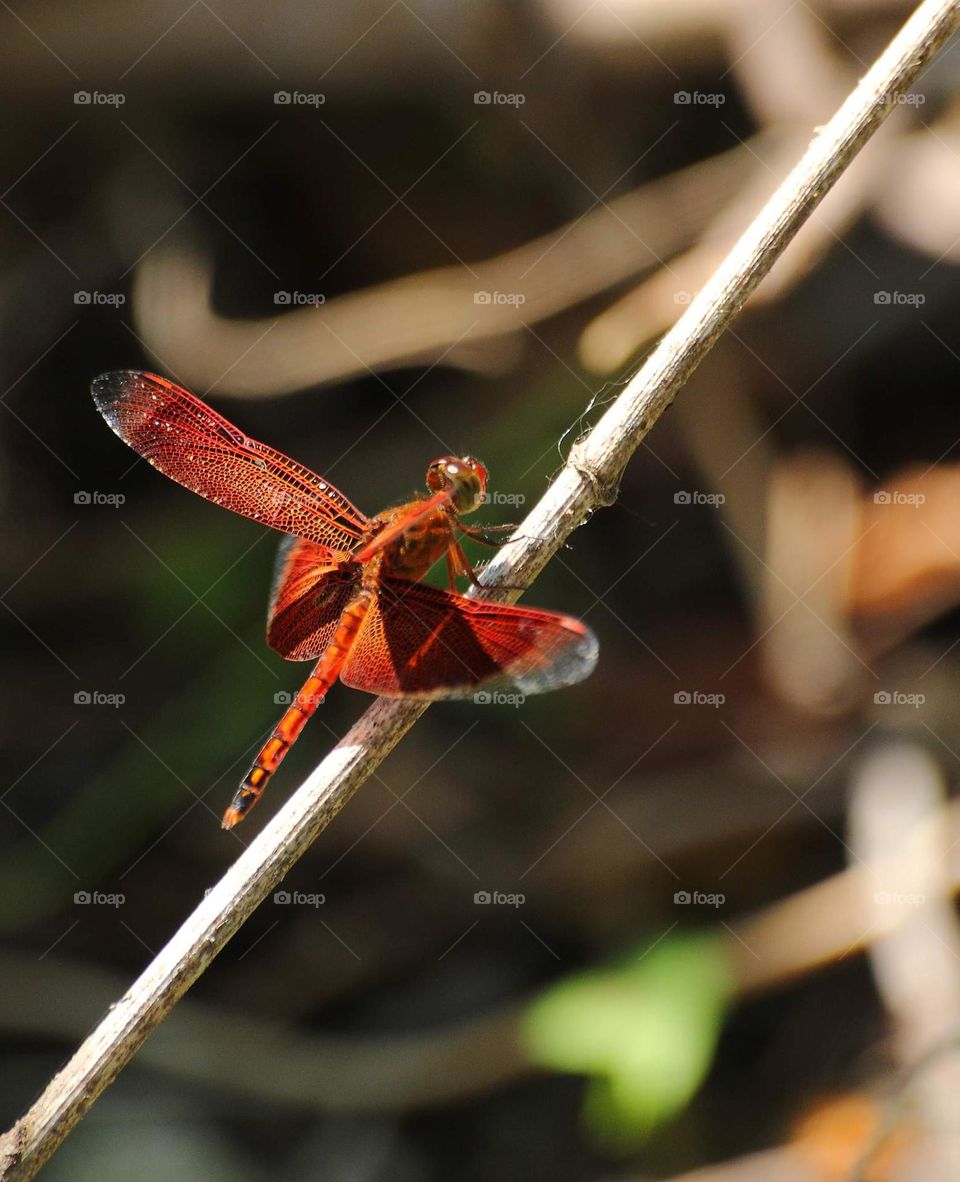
(785, 542)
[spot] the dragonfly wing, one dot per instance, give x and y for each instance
(419, 641)
(310, 590)
(188, 441)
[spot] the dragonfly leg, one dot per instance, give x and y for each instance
(480, 533)
(458, 561)
(459, 564)
(304, 706)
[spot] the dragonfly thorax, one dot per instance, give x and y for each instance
(426, 539)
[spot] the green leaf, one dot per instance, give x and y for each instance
(644, 1030)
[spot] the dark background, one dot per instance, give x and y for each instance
(161, 599)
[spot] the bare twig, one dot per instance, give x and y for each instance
(790, 79)
(588, 481)
(618, 332)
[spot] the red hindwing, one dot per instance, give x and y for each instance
(419, 641)
(310, 590)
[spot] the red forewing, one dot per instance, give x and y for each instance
(420, 641)
(192, 444)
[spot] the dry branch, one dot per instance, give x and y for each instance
(588, 481)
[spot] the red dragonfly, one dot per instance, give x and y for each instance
(346, 592)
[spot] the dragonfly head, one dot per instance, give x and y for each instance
(466, 478)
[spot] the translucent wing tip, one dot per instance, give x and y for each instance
(104, 390)
(571, 660)
(109, 388)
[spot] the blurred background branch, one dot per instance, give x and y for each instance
(776, 589)
(422, 319)
(586, 483)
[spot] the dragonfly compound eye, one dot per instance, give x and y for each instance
(464, 476)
